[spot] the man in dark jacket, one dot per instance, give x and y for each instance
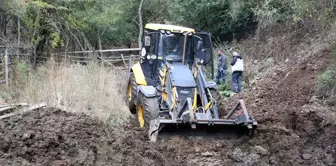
(221, 67)
(237, 72)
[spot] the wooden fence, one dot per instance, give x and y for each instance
(110, 57)
(8, 56)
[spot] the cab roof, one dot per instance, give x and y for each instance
(172, 28)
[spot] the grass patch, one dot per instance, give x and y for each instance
(326, 83)
(90, 89)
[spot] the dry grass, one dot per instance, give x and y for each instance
(92, 89)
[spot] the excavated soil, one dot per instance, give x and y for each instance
(295, 128)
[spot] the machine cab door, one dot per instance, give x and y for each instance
(207, 47)
(150, 45)
(149, 57)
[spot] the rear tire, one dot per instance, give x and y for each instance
(131, 92)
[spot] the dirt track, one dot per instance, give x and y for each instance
(295, 129)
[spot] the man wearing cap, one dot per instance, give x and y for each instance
(237, 71)
(221, 67)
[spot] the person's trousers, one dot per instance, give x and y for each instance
(220, 74)
(236, 81)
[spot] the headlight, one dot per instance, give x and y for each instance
(162, 31)
(148, 57)
(143, 52)
(168, 32)
(153, 57)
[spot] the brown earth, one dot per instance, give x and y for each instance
(295, 128)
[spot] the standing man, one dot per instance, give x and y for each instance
(221, 67)
(237, 71)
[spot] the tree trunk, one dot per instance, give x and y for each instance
(140, 24)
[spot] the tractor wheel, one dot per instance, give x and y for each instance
(147, 110)
(131, 92)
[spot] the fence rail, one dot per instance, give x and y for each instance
(110, 57)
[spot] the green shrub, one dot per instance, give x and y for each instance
(326, 83)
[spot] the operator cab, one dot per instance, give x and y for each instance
(174, 44)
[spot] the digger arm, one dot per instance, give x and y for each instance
(203, 88)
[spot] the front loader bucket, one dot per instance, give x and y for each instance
(236, 124)
(202, 131)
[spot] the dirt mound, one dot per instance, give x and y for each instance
(55, 137)
(291, 130)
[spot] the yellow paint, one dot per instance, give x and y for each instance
(138, 74)
(195, 72)
(174, 93)
(174, 98)
(164, 76)
(161, 79)
(130, 91)
(195, 100)
(141, 116)
(172, 28)
(208, 106)
(165, 96)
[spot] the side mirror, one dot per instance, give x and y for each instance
(199, 45)
(147, 41)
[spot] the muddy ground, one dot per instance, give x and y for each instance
(295, 128)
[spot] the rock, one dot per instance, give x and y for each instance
(254, 157)
(329, 159)
(303, 67)
(207, 154)
(306, 156)
(58, 163)
(263, 163)
(273, 161)
(219, 145)
(28, 135)
(197, 149)
(237, 155)
(260, 150)
(271, 60)
(313, 99)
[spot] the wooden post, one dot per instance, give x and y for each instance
(123, 59)
(7, 66)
